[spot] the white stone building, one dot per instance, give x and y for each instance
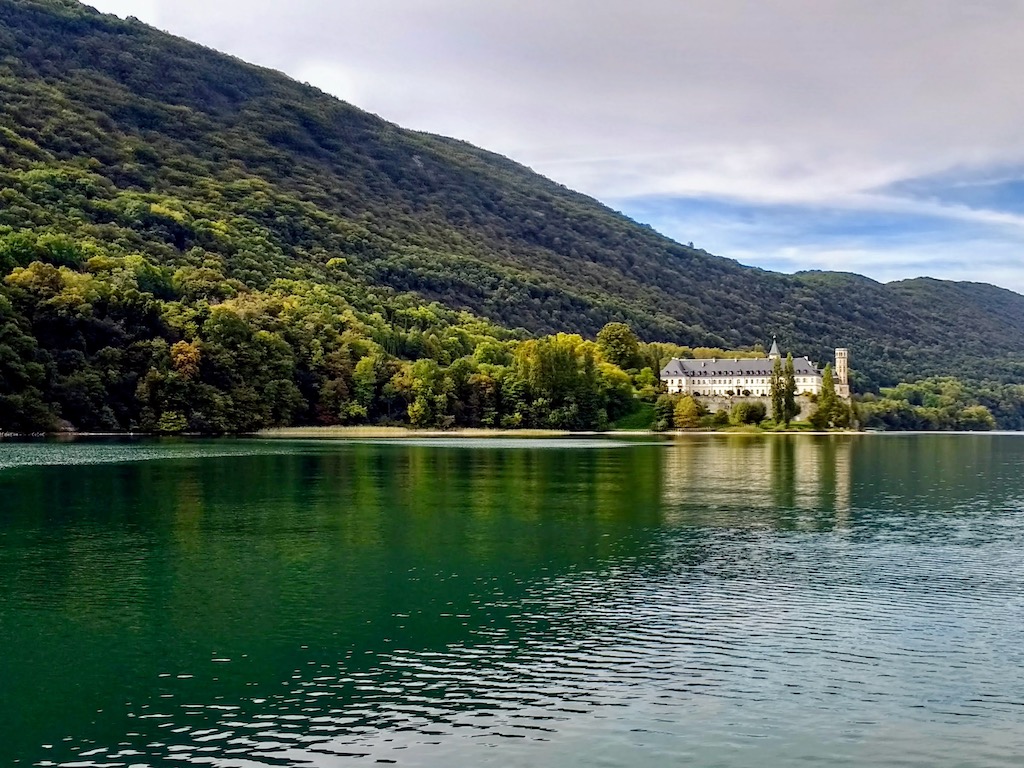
(749, 378)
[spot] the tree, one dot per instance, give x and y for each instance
(687, 413)
(831, 410)
(619, 345)
(777, 393)
(185, 359)
(828, 403)
(371, 374)
(588, 399)
(976, 418)
(789, 408)
(432, 390)
(647, 385)
(171, 423)
(482, 403)
(664, 412)
(616, 391)
(748, 413)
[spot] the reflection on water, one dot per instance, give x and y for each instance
(711, 600)
(752, 480)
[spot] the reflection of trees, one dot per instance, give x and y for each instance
(349, 530)
(351, 550)
(741, 480)
(520, 505)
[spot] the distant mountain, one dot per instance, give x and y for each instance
(124, 140)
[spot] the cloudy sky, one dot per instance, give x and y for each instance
(880, 138)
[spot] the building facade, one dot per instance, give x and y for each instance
(749, 378)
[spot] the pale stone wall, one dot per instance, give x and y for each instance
(716, 404)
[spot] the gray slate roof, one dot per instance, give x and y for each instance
(761, 367)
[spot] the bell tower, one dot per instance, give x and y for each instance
(843, 372)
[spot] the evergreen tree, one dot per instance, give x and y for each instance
(664, 413)
(591, 414)
(776, 393)
(828, 402)
(789, 391)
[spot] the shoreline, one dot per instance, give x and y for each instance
(408, 433)
(400, 433)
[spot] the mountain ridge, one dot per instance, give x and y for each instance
(221, 145)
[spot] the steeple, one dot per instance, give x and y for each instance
(774, 353)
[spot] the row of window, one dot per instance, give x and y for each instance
(739, 382)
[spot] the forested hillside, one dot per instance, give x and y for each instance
(188, 241)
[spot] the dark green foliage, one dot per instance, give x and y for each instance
(943, 404)
(154, 192)
(716, 420)
(789, 407)
(752, 412)
(96, 351)
(830, 410)
(664, 412)
(22, 376)
(777, 392)
(642, 418)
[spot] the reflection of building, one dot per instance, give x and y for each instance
(741, 480)
(749, 378)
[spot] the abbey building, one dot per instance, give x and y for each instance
(749, 378)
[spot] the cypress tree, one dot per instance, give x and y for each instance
(789, 391)
(777, 393)
(828, 403)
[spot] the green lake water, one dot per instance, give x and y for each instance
(706, 601)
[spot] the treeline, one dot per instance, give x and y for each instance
(95, 342)
(121, 343)
(944, 403)
(121, 310)
(119, 140)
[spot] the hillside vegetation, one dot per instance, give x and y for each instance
(189, 241)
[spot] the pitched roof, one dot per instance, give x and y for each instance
(757, 367)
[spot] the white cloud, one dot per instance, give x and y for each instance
(782, 100)
(793, 240)
(993, 261)
(821, 102)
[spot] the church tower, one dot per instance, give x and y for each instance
(774, 354)
(843, 372)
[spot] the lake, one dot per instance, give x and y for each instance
(708, 600)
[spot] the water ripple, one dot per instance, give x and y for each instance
(890, 637)
(705, 656)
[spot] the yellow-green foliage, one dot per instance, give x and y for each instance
(154, 192)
